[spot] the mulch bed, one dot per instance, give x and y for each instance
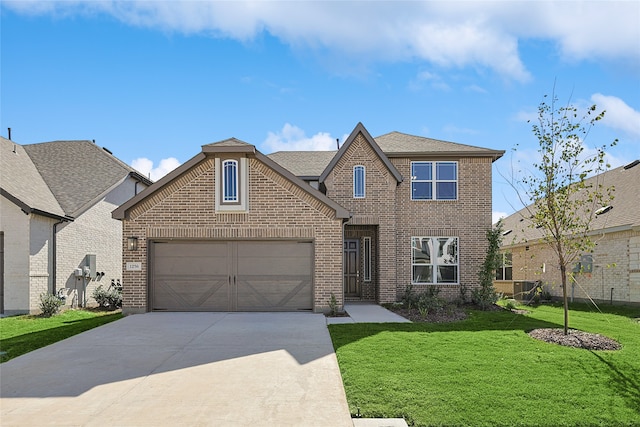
(452, 314)
(575, 338)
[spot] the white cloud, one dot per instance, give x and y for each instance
(292, 138)
(619, 115)
(145, 167)
(445, 34)
(496, 216)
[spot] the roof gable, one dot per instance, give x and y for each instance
(21, 182)
(78, 173)
(231, 145)
(357, 130)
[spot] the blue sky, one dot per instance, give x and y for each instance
(152, 81)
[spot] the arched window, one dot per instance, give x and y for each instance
(359, 181)
(230, 181)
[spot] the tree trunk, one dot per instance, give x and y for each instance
(565, 300)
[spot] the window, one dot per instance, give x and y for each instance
(230, 181)
(232, 184)
(505, 270)
(434, 260)
(426, 186)
(367, 258)
(359, 180)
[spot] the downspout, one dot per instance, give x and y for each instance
(54, 255)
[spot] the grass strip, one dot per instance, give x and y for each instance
(22, 334)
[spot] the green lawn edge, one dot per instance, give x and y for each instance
(22, 334)
(486, 371)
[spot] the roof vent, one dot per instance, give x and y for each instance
(604, 210)
(504, 233)
(632, 164)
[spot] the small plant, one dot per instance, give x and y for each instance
(50, 304)
(408, 298)
(429, 301)
(333, 305)
(108, 299)
(510, 304)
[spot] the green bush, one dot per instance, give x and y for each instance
(50, 304)
(108, 299)
(429, 301)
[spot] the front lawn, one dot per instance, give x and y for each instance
(22, 334)
(486, 371)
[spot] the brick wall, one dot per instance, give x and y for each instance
(15, 226)
(377, 208)
(389, 207)
(278, 209)
(467, 218)
(616, 264)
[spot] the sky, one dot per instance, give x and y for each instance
(153, 81)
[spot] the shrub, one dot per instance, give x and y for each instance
(510, 304)
(409, 298)
(429, 301)
(108, 299)
(485, 295)
(333, 305)
(50, 304)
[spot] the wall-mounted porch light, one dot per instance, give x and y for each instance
(132, 243)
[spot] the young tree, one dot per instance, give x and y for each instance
(563, 200)
(485, 295)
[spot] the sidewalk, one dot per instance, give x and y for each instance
(367, 313)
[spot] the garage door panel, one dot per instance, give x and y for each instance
(274, 294)
(232, 275)
(193, 294)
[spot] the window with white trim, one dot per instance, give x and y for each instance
(366, 247)
(434, 260)
(505, 270)
(434, 180)
(230, 181)
(359, 181)
(232, 184)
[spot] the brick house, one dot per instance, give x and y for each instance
(233, 229)
(610, 273)
(56, 200)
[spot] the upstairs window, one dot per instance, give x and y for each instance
(230, 181)
(434, 180)
(359, 181)
(232, 184)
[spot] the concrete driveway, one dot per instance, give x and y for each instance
(168, 369)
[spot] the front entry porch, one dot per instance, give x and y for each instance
(360, 263)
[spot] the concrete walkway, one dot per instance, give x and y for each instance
(367, 313)
(168, 369)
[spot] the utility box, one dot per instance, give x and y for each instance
(90, 262)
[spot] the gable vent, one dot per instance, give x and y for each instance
(504, 233)
(604, 210)
(632, 164)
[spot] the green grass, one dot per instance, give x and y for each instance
(22, 334)
(485, 371)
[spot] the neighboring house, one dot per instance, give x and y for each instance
(235, 230)
(610, 273)
(56, 200)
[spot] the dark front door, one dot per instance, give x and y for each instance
(352, 268)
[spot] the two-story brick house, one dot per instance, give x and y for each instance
(233, 229)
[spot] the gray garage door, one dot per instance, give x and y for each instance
(231, 276)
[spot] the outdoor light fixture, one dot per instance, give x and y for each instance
(132, 243)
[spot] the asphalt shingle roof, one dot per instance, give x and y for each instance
(624, 214)
(77, 172)
(303, 163)
(402, 143)
(20, 178)
(313, 163)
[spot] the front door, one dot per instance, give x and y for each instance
(352, 268)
